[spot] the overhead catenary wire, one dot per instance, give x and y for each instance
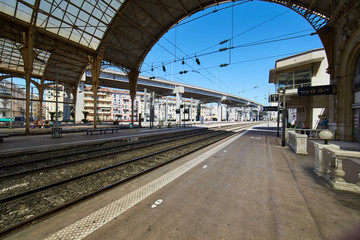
(252, 60)
(246, 31)
(232, 6)
(231, 45)
(206, 14)
(243, 45)
(250, 44)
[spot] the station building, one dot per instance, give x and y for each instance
(306, 69)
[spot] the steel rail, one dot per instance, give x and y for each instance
(151, 141)
(42, 188)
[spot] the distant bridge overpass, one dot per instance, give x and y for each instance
(119, 80)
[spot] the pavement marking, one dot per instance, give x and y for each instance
(94, 221)
(157, 203)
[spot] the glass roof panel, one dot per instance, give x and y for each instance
(32, 2)
(75, 20)
(23, 12)
(57, 12)
(79, 18)
(95, 42)
(40, 61)
(84, 16)
(99, 33)
(11, 59)
(8, 7)
(86, 39)
(75, 36)
(87, 7)
(52, 25)
(41, 19)
(65, 30)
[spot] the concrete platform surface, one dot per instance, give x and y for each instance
(245, 188)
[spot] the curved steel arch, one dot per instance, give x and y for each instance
(119, 32)
(141, 39)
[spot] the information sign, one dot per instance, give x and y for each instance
(273, 98)
(317, 90)
(270, 108)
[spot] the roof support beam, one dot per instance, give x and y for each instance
(28, 57)
(311, 7)
(165, 10)
(182, 6)
(141, 29)
(129, 38)
(200, 6)
(133, 77)
(150, 16)
(95, 63)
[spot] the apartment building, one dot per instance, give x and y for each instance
(10, 104)
(104, 103)
(121, 105)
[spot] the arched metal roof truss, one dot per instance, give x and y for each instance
(66, 33)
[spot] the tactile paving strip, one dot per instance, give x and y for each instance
(94, 221)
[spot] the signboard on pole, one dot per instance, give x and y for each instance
(317, 90)
(273, 97)
(270, 108)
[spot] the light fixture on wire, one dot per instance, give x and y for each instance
(163, 67)
(183, 61)
(152, 67)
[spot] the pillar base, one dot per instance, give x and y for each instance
(344, 132)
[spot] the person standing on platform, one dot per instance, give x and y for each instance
(324, 123)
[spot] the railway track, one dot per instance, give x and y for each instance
(32, 188)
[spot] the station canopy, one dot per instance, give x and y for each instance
(67, 33)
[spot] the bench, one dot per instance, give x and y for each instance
(101, 130)
(2, 136)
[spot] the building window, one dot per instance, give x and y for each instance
(295, 79)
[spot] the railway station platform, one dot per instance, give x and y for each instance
(41, 138)
(246, 187)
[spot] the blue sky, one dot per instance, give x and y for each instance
(248, 72)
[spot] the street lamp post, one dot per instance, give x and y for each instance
(11, 105)
(56, 133)
(283, 142)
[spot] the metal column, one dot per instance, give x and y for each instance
(166, 109)
(145, 100)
